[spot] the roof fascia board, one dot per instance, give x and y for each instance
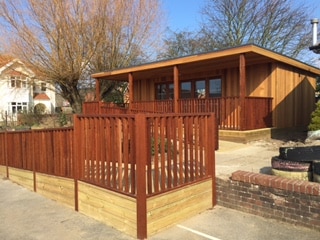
(217, 54)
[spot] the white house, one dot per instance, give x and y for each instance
(20, 90)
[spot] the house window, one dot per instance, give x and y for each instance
(164, 91)
(215, 87)
(200, 89)
(186, 91)
(43, 87)
(17, 107)
(18, 82)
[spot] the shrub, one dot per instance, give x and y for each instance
(315, 119)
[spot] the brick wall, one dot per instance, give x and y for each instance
(287, 200)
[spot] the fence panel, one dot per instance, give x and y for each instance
(2, 148)
(106, 156)
(178, 150)
(55, 154)
(20, 149)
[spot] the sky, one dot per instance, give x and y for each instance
(185, 15)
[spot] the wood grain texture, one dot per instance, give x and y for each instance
(171, 208)
(113, 209)
(3, 170)
(56, 188)
(21, 177)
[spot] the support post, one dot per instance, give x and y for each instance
(141, 161)
(242, 91)
(75, 154)
(176, 88)
(6, 152)
(131, 89)
(211, 139)
(98, 88)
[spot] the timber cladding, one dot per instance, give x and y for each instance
(3, 170)
(113, 209)
(175, 206)
(56, 188)
(22, 177)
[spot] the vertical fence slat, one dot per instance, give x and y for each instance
(141, 137)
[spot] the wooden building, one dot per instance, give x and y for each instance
(247, 87)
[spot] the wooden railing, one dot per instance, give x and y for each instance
(155, 152)
(257, 110)
(104, 108)
(160, 152)
(47, 151)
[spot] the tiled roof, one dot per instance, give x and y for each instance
(4, 59)
(15, 73)
(41, 96)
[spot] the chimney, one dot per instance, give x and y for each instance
(314, 23)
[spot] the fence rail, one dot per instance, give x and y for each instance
(257, 111)
(178, 150)
(116, 151)
(47, 151)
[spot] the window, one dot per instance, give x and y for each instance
(164, 91)
(204, 88)
(200, 89)
(17, 107)
(186, 90)
(18, 82)
(215, 87)
(43, 87)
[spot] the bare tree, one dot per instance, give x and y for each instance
(66, 40)
(279, 25)
(183, 43)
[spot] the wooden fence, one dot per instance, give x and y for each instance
(257, 111)
(139, 155)
(47, 151)
(175, 150)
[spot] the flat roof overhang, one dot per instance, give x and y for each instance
(222, 59)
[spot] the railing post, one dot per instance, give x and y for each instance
(141, 160)
(211, 154)
(76, 138)
(6, 152)
(33, 162)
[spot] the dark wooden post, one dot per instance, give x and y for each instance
(33, 162)
(98, 90)
(131, 89)
(141, 161)
(6, 152)
(211, 139)
(176, 88)
(75, 160)
(242, 90)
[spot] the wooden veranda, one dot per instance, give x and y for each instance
(254, 113)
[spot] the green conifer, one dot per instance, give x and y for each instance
(315, 119)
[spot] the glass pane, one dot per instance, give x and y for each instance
(171, 91)
(18, 83)
(161, 91)
(43, 87)
(215, 87)
(186, 90)
(200, 90)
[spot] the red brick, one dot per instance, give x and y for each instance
(275, 182)
(247, 177)
(291, 184)
(285, 183)
(238, 175)
(303, 187)
(316, 189)
(297, 186)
